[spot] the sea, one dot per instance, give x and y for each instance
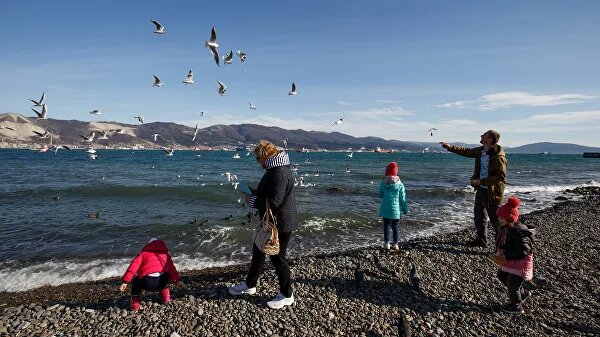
(50, 234)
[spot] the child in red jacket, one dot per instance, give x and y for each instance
(514, 255)
(151, 270)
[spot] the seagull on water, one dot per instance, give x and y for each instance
(42, 135)
(213, 45)
(93, 156)
(96, 112)
(241, 55)
(338, 122)
(159, 28)
(169, 153)
(228, 58)
(351, 154)
(252, 107)
(189, 79)
(89, 138)
(222, 88)
(431, 131)
(140, 118)
(42, 115)
(40, 102)
(293, 92)
(157, 82)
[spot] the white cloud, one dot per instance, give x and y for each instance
(343, 103)
(387, 101)
(513, 98)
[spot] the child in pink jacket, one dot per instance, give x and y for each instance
(152, 269)
(514, 255)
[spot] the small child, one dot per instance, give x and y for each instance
(514, 255)
(151, 270)
(393, 204)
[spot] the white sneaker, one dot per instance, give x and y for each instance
(386, 245)
(242, 289)
(280, 301)
(395, 246)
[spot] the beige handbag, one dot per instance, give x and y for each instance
(266, 237)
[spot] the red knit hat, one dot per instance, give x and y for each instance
(509, 211)
(391, 169)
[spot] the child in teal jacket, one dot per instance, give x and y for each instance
(393, 204)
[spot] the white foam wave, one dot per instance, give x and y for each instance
(54, 273)
(547, 188)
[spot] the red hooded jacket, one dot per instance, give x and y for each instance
(154, 258)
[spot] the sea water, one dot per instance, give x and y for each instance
(50, 235)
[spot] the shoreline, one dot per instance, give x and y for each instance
(459, 294)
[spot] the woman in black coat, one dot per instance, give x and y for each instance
(276, 186)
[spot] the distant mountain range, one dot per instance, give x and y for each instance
(70, 132)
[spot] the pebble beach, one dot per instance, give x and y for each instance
(457, 294)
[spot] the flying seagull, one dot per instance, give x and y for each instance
(189, 79)
(140, 118)
(156, 135)
(213, 45)
(41, 101)
(169, 153)
(338, 122)
(157, 82)
(431, 131)
(222, 88)
(252, 106)
(293, 91)
(42, 115)
(90, 138)
(42, 135)
(201, 113)
(228, 58)
(96, 112)
(195, 132)
(6, 127)
(159, 28)
(103, 134)
(241, 55)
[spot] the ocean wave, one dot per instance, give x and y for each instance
(55, 273)
(526, 189)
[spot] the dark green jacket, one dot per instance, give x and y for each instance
(496, 169)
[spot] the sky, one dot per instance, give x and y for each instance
(391, 69)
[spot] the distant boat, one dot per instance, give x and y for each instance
(591, 155)
(378, 149)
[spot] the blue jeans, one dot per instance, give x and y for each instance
(387, 223)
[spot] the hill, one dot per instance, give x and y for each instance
(70, 132)
(558, 148)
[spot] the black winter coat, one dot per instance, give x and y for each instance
(516, 242)
(277, 184)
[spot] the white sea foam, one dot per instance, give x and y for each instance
(55, 273)
(547, 188)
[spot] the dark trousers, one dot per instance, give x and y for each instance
(282, 268)
(514, 285)
(483, 211)
(149, 283)
(393, 223)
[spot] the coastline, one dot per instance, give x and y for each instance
(459, 293)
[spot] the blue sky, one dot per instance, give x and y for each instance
(391, 69)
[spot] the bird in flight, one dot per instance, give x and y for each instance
(241, 55)
(43, 135)
(213, 45)
(90, 138)
(96, 112)
(293, 91)
(338, 122)
(431, 131)
(43, 114)
(169, 152)
(252, 107)
(189, 79)
(140, 118)
(157, 82)
(222, 88)
(228, 58)
(40, 102)
(159, 28)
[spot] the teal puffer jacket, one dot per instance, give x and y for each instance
(393, 200)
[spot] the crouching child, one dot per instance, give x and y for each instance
(151, 270)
